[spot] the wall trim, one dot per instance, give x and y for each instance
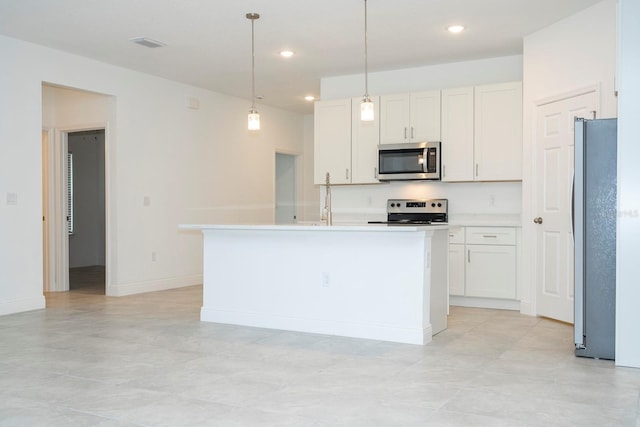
(125, 289)
(494, 303)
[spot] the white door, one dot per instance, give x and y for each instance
(553, 178)
(394, 118)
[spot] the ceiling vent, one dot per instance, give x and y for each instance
(146, 42)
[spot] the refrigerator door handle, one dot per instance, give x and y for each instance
(577, 213)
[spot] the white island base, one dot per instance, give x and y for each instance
(374, 282)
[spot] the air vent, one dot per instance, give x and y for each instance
(146, 42)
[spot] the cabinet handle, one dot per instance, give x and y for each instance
(444, 171)
(469, 255)
(405, 132)
(490, 235)
(346, 173)
(476, 169)
(411, 132)
(375, 172)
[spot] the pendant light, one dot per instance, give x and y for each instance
(366, 106)
(254, 116)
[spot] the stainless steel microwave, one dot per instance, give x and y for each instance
(412, 161)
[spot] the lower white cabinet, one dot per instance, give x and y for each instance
(483, 262)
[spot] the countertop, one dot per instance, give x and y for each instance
(316, 227)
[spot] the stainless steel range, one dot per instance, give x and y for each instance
(415, 212)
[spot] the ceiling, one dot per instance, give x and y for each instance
(209, 41)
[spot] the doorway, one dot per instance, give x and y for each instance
(86, 210)
(285, 197)
(74, 210)
(553, 175)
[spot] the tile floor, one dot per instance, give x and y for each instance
(146, 360)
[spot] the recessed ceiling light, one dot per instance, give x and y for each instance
(286, 53)
(455, 29)
(147, 42)
(309, 98)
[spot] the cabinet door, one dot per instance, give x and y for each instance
(425, 116)
(498, 132)
(332, 141)
(491, 271)
(457, 134)
(365, 137)
(394, 118)
(456, 269)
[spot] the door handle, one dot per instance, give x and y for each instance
(537, 220)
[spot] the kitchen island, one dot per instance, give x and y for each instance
(365, 281)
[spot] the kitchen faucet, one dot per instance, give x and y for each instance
(327, 216)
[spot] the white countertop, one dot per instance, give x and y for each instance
(315, 227)
(485, 220)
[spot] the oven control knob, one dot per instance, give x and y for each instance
(439, 205)
(433, 205)
(393, 205)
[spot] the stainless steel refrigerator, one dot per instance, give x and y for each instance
(594, 222)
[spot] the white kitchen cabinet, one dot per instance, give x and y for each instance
(498, 132)
(491, 271)
(456, 261)
(365, 137)
(345, 146)
(457, 134)
(483, 263)
(482, 133)
(410, 117)
(332, 141)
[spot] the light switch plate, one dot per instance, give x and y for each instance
(12, 198)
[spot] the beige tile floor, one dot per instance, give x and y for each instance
(146, 360)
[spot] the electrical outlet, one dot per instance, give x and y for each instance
(153, 256)
(325, 280)
(492, 200)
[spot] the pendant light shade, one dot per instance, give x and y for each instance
(366, 106)
(253, 122)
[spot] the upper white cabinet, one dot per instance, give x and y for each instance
(365, 137)
(482, 133)
(410, 117)
(457, 134)
(344, 146)
(498, 132)
(332, 141)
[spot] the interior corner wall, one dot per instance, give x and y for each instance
(628, 235)
(574, 53)
(193, 165)
(311, 204)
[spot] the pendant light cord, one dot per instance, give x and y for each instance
(253, 67)
(366, 68)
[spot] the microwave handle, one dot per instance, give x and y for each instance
(425, 157)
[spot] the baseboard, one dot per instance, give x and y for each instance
(22, 304)
(419, 336)
(121, 290)
(495, 303)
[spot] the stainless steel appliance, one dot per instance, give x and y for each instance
(594, 222)
(412, 161)
(415, 212)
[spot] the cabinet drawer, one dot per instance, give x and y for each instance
(456, 235)
(491, 235)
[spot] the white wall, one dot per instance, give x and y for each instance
(369, 201)
(628, 291)
(195, 166)
(574, 53)
(442, 76)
